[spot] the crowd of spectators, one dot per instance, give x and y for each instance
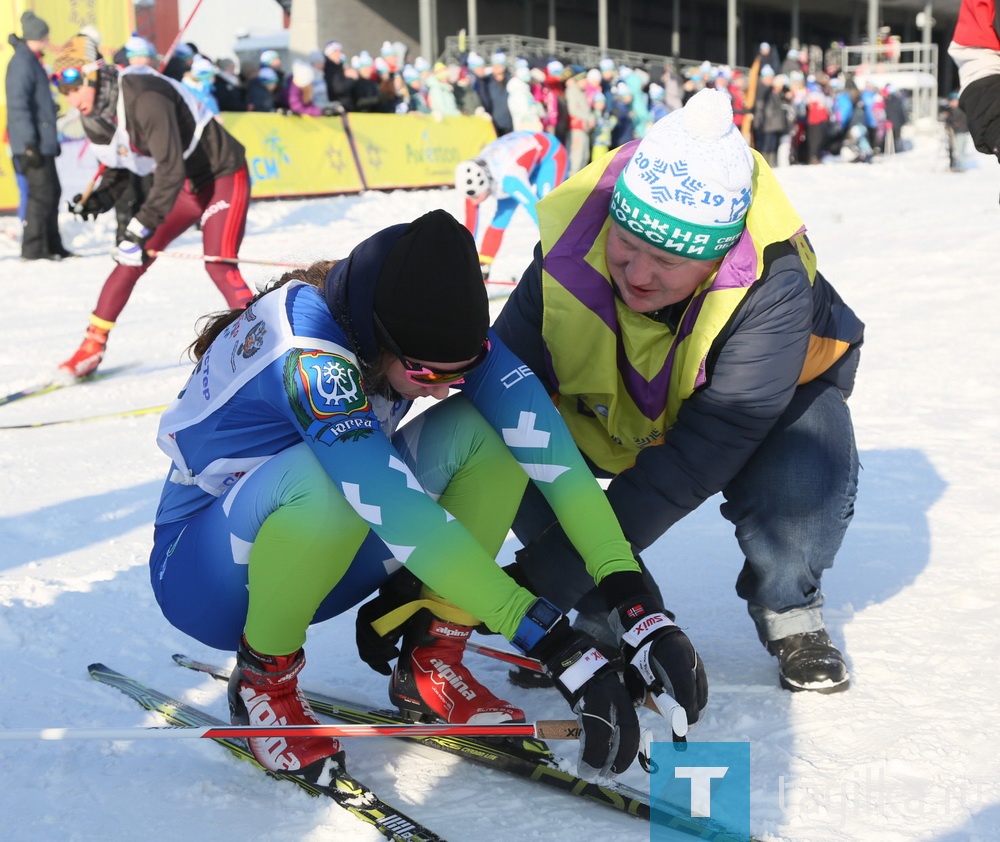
(790, 111)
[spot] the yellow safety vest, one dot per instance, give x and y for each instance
(623, 376)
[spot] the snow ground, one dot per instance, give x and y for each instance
(910, 753)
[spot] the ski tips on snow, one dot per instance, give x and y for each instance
(342, 788)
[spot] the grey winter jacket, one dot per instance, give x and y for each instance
(31, 111)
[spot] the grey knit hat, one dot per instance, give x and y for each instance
(33, 27)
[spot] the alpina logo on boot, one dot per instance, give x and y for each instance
(450, 631)
(449, 675)
(271, 751)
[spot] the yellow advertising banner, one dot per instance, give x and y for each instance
(295, 156)
(415, 150)
(312, 156)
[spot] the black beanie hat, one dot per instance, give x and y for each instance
(430, 295)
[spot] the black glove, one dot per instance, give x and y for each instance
(97, 203)
(610, 727)
(661, 658)
(335, 109)
(31, 158)
(375, 649)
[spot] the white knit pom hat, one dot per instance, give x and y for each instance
(687, 188)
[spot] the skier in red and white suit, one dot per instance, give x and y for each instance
(517, 169)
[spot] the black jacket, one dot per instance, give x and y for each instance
(160, 126)
(31, 112)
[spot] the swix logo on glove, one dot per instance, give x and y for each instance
(635, 635)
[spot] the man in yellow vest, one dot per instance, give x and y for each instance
(675, 314)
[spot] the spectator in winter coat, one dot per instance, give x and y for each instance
(200, 80)
(440, 95)
(229, 92)
(581, 123)
(180, 62)
(895, 114)
(773, 117)
(414, 94)
(621, 110)
(34, 141)
(657, 107)
(272, 60)
(365, 94)
(261, 89)
(338, 85)
(300, 91)
(636, 80)
(466, 98)
(320, 95)
(817, 120)
(525, 110)
(957, 126)
(494, 95)
(555, 119)
(693, 348)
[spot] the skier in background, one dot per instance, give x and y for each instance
(517, 169)
(141, 122)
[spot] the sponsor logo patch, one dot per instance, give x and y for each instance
(328, 397)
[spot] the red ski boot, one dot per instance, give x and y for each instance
(88, 356)
(431, 680)
(264, 690)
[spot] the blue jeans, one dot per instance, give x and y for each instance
(791, 504)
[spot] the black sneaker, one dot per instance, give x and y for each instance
(810, 661)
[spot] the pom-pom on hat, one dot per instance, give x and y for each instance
(430, 296)
(267, 75)
(269, 56)
(687, 188)
(303, 74)
(474, 60)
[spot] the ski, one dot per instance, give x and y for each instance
(124, 413)
(524, 757)
(52, 386)
(345, 790)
